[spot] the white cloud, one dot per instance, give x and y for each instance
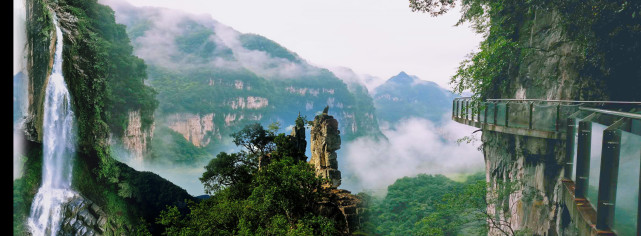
(414, 146)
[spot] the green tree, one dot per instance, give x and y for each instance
(280, 198)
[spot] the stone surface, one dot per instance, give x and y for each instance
(325, 140)
(83, 217)
(136, 139)
(551, 71)
(347, 209)
(298, 135)
(197, 129)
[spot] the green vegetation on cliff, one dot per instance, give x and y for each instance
(429, 205)
(607, 32)
(279, 198)
(106, 82)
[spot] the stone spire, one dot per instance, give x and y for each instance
(298, 136)
(325, 141)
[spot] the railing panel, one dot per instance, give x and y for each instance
(625, 212)
(500, 114)
(483, 108)
(519, 115)
(565, 111)
(544, 117)
(595, 163)
(576, 140)
(490, 112)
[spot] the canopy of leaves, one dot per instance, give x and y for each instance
(421, 206)
(279, 198)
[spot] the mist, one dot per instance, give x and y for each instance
(157, 45)
(413, 146)
(350, 77)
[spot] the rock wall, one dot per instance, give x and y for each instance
(136, 139)
(551, 71)
(325, 140)
(83, 217)
(195, 128)
(347, 209)
(41, 40)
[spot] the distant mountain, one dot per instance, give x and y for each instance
(212, 80)
(403, 96)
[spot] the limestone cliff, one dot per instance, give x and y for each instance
(325, 140)
(41, 40)
(550, 71)
(136, 139)
(197, 129)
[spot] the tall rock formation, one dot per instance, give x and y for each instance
(298, 136)
(325, 141)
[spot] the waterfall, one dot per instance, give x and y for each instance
(58, 151)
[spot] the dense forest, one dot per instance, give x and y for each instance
(266, 186)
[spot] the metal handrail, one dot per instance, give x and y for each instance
(614, 113)
(544, 100)
(568, 101)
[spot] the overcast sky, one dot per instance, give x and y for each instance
(376, 37)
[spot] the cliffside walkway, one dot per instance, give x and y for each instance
(604, 168)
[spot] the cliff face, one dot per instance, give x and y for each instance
(41, 41)
(136, 139)
(550, 71)
(325, 140)
(195, 128)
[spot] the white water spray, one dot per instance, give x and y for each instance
(58, 151)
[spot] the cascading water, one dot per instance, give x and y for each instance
(59, 148)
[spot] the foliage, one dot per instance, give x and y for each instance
(228, 170)
(170, 146)
(26, 187)
(421, 206)
(609, 33)
(278, 198)
(260, 43)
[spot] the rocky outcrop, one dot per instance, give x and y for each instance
(298, 136)
(83, 217)
(347, 209)
(325, 140)
(195, 128)
(41, 41)
(136, 139)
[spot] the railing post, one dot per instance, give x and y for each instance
(467, 111)
(583, 158)
(456, 110)
(478, 111)
(507, 112)
(569, 148)
(453, 107)
(531, 109)
(485, 113)
(558, 117)
(639, 206)
(608, 177)
(495, 112)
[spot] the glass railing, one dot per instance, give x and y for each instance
(603, 148)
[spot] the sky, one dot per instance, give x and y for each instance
(374, 37)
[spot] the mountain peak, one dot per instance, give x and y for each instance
(403, 78)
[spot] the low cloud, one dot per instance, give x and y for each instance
(414, 146)
(350, 77)
(158, 44)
